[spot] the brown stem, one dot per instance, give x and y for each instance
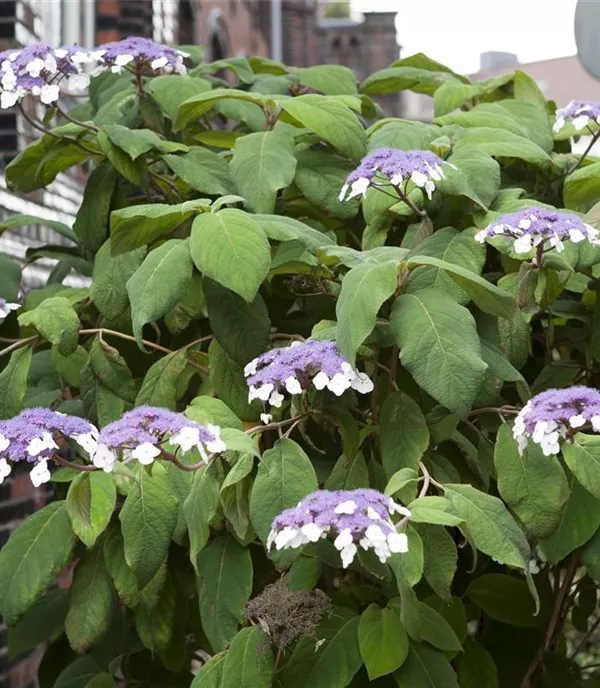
(85, 125)
(510, 410)
(553, 624)
(48, 132)
(404, 197)
(17, 344)
(586, 637)
(75, 466)
(585, 152)
(539, 256)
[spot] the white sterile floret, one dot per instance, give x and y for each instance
(285, 537)
(187, 438)
(359, 187)
(293, 386)
(159, 63)
(343, 539)
(123, 60)
(49, 93)
(9, 79)
(34, 68)
(534, 567)
(216, 445)
(263, 393)
(40, 444)
(347, 554)
(4, 442)
(78, 82)
(362, 383)
(558, 125)
(581, 122)
(419, 179)
(320, 380)
(347, 507)
(397, 542)
(372, 514)
(596, 423)
(250, 368)
(429, 188)
(576, 235)
(88, 441)
(104, 458)
(577, 421)
(523, 244)
(395, 508)
(39, 473)
(8, 99)
(312, 531)
(266, 418)
(145, 453)
(4, 470)
(276, 399)
(338, 384)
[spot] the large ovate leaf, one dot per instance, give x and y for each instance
(197, 105)
(229, 383)
(477, 176)
(13, 382)
(90, 502)
(364, 289)
(232, 249)
(159, 283)
(476, 668)
(110, 370)
(35, 552)
(200, 507)
(582, 456)
(224, 586)
(148, 519)
(505, 599)
(533, 485)
(160, 386)
(405, 77)
(501, 143)
(249, 661)
(439, 346)
(203, 170)
(56, 320)
(426, 668)
(582, 187)
(332, 80)
(439, 558)
(331, 120)
(403, 432)
(91, 223)
(263, 163)
(171, 90)
(282, 228)
(382, 640)
(110, 277)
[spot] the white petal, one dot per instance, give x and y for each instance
(576, 235)
(39, 473)
(186, 438)
(338, 384)
(266, 418)
(362, 383)
(347, 554)
(397, 542)
(581, 122)
(320, 380)
(276, 399)
(293, 386)
(419, 179)
(5, 469)
(343, 192)
(577, 421)
(122, 60)
(8, 99)
(312, 531)
(158, 63)
(145, 453)
(522, 244)
(347, 507)
(343, 539)
(250, 368)
(49, 93)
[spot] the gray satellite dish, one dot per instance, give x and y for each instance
(587, 29)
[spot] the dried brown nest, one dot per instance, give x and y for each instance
(287, 614)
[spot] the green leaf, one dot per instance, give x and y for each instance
(18, 221)
(229, 383)
(451, 246)
(426, 668)
(203, 170)
(224, 587)
(134, 171)
(434, 510)
(439, 346)
(91, 223)
(404, 435)
(173, 89)
(579, 521)
(382, 640)
(533, 485)
(148, 519)
(35, 552)
(477, 176)
(332, 80)
(505, 144)
(408, 566)
(280, 228)
(159, 283)
(43, 623)
(491, 527)
(476, 668)
(154, 622)
(394, 79)
(241, 328)
(160, 385)
(13, 382)
(205, 409)
(263, 163)
(422, 61)
(439, 558)
(90, 503)
(123, 577)
(505, 599)
(134, 142)
(320, 177)
(331, 120)
(582, 456)
(201, 506)
(38, 165)
(211, 673)
(437, 631)
(110, 370)
(249, 661)
(582, 187)
(56, 320)
(78, 674)
(196, 106)
(364, 289)
(70, 367)
(285, 475)
(490, 298)
(348, 474)
(91, 601)
(138, 225)
(498, 364)
(333, 664)
(232, 249)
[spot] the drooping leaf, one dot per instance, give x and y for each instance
(505, 599)
(224, 587)
(330, 79)
(426, 668)
(171, 90)
(160, 385)
(263, 163)
(56, 320)
(200, 507)
(91, 223)
(476, 668)
(110, 369)
(364, 290)
(534, 486)
(203, 170)
(159, 283)
(90, 502)
(232, 249)
(229, 383)
(582, 456)
(282, 228)
(30, 560)
(13, 382)
(148, 518)
(109, 279)
(439, 558)
(210, 673)
(437, 631)
(439, 346)
(404, 434)
(382, 640)
(501, 143)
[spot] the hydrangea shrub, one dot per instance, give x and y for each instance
(326, 413)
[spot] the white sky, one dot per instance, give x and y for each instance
(455, 32)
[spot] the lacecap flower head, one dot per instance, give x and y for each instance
(580, 113)
(554, 414)
(533, 226)
(388, 166)
(31, 437)
(141, 54)
(356, 518)
(300, 366)
(140, 433)
(40, 71)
